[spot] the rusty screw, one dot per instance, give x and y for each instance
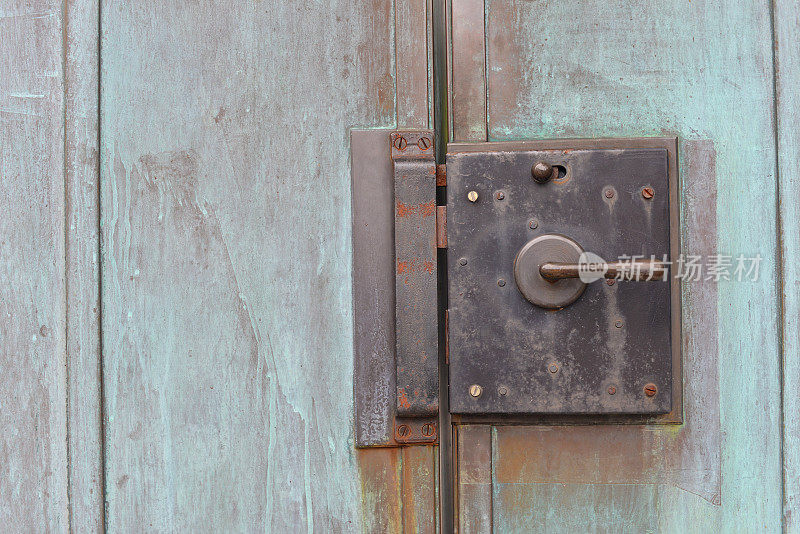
(428, 430)
(400, 142)
(648, 193)
(650, 389)
(472, 196)
(403, 431)
(553, 368)
(424, 143)
(609, 193)
(533, 224)
(610, 282)
(475, 390)
(542, 172)
(612, 390)
(500, 195)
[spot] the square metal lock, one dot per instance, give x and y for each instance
(523, 344)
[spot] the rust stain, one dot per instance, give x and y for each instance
(404, 211)
(428, 209)
(402, 398)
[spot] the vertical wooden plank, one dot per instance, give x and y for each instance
(33, 424)
(468, 82)
(411, 65)
(82, 266)
(381, 489)
(226, 265)
(474, 463)
(419, 489)
(577, 78)
(787, 91)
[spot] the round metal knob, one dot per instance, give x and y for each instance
(542, 172)
(530, 282)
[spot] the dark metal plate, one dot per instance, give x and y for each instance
(597, 355)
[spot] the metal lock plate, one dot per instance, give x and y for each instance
(615, 349)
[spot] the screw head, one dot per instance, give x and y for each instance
(501, 282)
(428, 430)
(612, 390)
(609, 193)
(542, 171)
(475, 390)
(650, 389)
(500, 195)
(472, 196)
(648, 192)
(610, 282)
(403, 431)
(424, 143)
(400, 142)
(502, 391)
(462, 261)
(618, 324)
(553, 368)
(533, 224)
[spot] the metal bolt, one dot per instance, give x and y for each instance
(650, 389)
(462, 261)
(648, 193)
(553, 368)
(472, 196)
(501, 282)
(424, 143)
(500, 195)
(428, 430)
(609, 193)
(502, 391)
(403, 431)
(610, 282)
(612, 390)
(618, 324)
(542, 172)
(400, 142)
(475, 390)
(533, 224)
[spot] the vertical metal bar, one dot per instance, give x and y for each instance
(415, 273)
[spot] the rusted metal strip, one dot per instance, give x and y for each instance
(441, 226)
(415, 273)
(441, 175)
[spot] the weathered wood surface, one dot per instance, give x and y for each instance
(665, 68)
(33, 418)
(225, 203)
(81, 178)
(787, 92)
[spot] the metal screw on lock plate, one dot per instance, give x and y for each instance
(550, 274)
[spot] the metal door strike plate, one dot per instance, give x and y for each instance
(560, 295)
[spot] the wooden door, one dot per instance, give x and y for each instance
(177, 338)
(722, 77)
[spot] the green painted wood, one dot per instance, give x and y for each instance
(787, 91)
(33, 417)
(666, 68)
(227, 332)
(82, 266)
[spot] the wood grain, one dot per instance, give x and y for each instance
(666, 68)
(227, 329)
(787, 84)
(33, 419)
